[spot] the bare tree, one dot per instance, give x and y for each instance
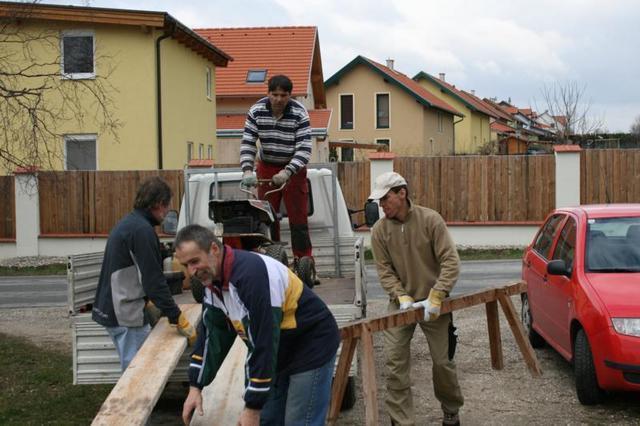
(635, 127)
(38, 103)
(567, 103)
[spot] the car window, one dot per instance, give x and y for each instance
(613, 244)
(546, 235)
(565, 249)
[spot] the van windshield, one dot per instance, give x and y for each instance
(613, 245)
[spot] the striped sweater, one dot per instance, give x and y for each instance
(285, 141)
(286, 327)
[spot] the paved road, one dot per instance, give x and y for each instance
(16, 292)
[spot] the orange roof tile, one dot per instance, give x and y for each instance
(499, 109)
(414, 87)
(319, 118)
(278, 50)
(496, 126)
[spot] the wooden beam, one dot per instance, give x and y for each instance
(410, 316)
(517, 329)
(368, 373)
(495, 341)
(132, 399)
(341, 377)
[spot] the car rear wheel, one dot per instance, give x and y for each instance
(589, 393)
(536, 340)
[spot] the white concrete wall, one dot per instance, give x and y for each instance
(66, 246)
(7, 250)
(27, 214)
(567, 178)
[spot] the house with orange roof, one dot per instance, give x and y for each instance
(473, 131)
(156, 74)
(258, 54)
(375, 104)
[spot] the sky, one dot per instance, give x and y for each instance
(504, 49)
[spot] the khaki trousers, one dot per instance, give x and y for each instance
(397, 344)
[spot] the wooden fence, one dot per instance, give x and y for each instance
(92, 202)
(354, 181)
(7, 208)
(610, 176)
(506, 188)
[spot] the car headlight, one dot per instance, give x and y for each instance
(628, 326)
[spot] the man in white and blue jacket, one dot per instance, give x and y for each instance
(291, 335)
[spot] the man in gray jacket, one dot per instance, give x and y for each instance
(131, 277)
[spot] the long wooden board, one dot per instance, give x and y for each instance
(132, 399)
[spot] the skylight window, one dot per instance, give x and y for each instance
(256, 76)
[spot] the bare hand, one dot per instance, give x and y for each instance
(249, 417)
(193, 402)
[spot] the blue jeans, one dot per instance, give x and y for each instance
(300, 399)
(128, 341)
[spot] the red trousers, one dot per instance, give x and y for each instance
(295, 195)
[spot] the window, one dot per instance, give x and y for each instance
(201, 151)
(382, 111)
(256, 76)
(565, 249)
(189, 151)
(440, 125)
(208, 82)
(346, 154)
(209, 152)
(78, 54)
(346, 112)
(547, 234)
(385, 142)
(80, 152)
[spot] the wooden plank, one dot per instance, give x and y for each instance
(410, 316)
(518, 332)
(495, 341)
(341, 378)
(368, 373)
(222, 400)
(136, 393)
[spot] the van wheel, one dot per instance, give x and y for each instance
(278, 252)
(589, 393)
(349, 398)
(536, 340)
(197, 289)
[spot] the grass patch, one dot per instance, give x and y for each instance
(474, 254)
(37, 387)
(53, 269)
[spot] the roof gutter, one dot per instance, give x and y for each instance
(168, 32)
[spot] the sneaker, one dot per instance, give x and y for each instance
(450, 419)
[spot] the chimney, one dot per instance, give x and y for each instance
(441, 76)
(473, 92)
(390, 63)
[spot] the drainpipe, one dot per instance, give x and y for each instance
(167, 33)
(454, 134)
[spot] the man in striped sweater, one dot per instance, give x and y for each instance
(282, 126)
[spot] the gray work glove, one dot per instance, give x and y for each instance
(249, 179)
(153, 313)
(280, 178)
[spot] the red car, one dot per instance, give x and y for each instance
(583, 296)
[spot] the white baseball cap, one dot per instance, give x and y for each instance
(384, 183)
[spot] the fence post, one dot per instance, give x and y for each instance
(381, 162)
(567, 175)
(27, 212)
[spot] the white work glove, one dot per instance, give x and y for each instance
(432, 304)
(249, 179)
(405, 302)
(280, 178)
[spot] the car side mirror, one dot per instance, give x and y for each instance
(558, 267)
(371, 213)
(170, 223)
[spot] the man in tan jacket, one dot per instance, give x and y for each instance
(418, 266)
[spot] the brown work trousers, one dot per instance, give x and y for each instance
(397, 345)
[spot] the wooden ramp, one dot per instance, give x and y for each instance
(222, 400)
(132, 399)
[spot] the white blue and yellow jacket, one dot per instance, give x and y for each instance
(286, 327)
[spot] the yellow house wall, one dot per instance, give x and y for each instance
(188, 115)
(125, 66)
(480, 131)
(411, 126)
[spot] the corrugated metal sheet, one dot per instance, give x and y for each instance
(95, 359)
(83, 271)
(324, 255)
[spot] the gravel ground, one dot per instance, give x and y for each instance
(21, 262)
(509, 396)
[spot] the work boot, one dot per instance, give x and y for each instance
(450, 419)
